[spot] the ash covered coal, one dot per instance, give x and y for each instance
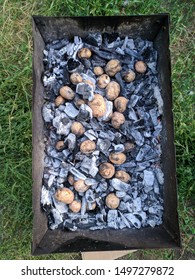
(102, 113)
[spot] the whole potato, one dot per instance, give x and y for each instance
(103, 81)
(128, 147)
(98, 70)
(98, 106)
(64, 195)
(75, 206)
(112, 201)
(112, 90)
(129, 76)
(140, 67)
(84, 53)
(77, 128)
(76, 78)
(80, 186)
(117, 158)
(107, 170)
(117, 119)
(123, 176)
(120, 104)
(60, 145)
(59, 100)
(87, 147)
(112, 67)
(67, 93)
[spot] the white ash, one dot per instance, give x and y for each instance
(141, 199)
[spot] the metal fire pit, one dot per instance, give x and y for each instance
(154, 28)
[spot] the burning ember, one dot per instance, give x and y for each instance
(103, 127)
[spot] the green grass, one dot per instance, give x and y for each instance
(15, 114)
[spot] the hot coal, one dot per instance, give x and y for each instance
(138, 137)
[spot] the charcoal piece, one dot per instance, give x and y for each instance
(98, 227)
(70, 141)
(103, 145)
(94, 39)
(119, 185)
(132, 114)
(85, 90)
(66, 76)
(107, 135)
(159, 175)
(83, 206)
(122, 206)
(137, 204)
(139, 124)
(97, 61)
(71, 111)
(66, 153)
(88, 166)
(133, 53)
(159, 99)
(153, 115)
(133, 220)
(119, 79)
(112, 219)
(148, 178)
(49, 81)
(102, 187)
(128, 164)
(47, 113)
(74, 65)
(100, 219)
(124, 219)
(139, 140)
(85, 113)
(58, 219)
(45, 196)
(120, 194)
(60, 206)
(77, 173)
(59, 44)
(89, 195)
(119, 148)
(109, 38)
(91, 134)
(51, 180)
(90, 182)
(157, 130)
(133, 100)
(86, 62)
(141, 166)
